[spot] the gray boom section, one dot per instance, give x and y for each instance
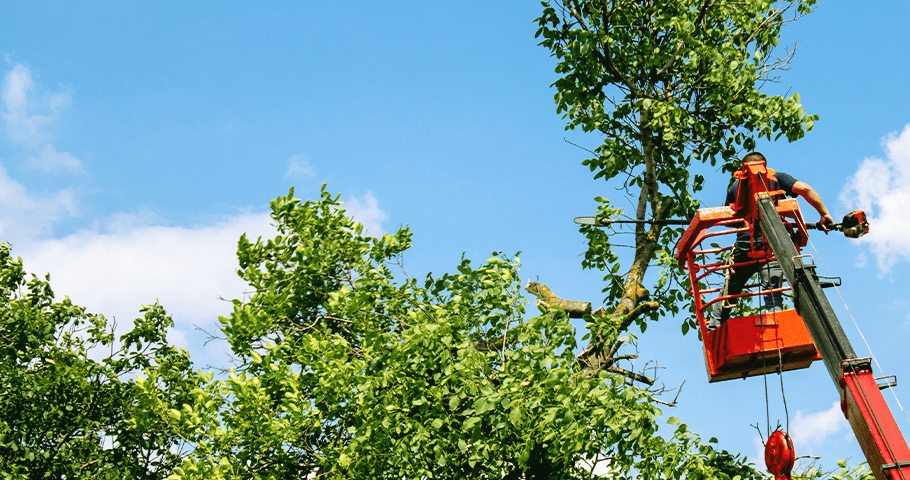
(811, 302)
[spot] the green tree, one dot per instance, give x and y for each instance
(64, 414)
(344, 373)
(350, 369)
(665, 84)
(349, 373)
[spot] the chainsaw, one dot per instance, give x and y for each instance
(854, 224)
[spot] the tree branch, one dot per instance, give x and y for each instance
(546, 297)
(604, 57)
(699, 21)
(634, 376)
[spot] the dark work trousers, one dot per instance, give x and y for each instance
(769, 273)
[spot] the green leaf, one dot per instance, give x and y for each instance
(470, 423)
(515, 416)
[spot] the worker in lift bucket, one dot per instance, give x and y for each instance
(769, 273)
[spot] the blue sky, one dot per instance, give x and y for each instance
(139, 140)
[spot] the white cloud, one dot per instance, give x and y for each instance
(131, 260)
(366, 210)
(813, 428)
(25, 217)
(31, 130)
(299, 167)
(861, 260)
(759, 450)
(882, 189)
(49, 160)
(22, 125)
(185, 269)
(127, 259)
(123, 222)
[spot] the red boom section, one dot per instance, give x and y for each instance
(872, 423)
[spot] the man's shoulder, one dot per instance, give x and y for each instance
(782, 176)
(785, 182)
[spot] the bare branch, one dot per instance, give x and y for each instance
(579, 146)
(634, 376)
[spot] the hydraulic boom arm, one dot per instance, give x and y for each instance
(861, 398)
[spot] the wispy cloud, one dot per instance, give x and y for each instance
(25, 217)
(881, 187)
(22, 126)
(861, 260)
(127, 259)
(813, 428)
(49, 160)
(28, 122)
(299, 167)
(131, 259)
(365, 209)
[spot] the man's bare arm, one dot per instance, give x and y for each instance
(804, 190)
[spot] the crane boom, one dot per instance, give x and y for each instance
(862, 402)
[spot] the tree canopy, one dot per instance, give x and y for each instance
(345, 370)
(348, 372)
(665, 85)
(347, 367)
(67, 406)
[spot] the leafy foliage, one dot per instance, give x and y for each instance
(350, 372)
(349, 368)
(346, 372)
(64, 414)
(666, 84)
(859, 472)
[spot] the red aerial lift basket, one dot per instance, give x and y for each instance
(753, 345)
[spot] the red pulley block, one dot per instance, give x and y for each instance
(779, 455)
